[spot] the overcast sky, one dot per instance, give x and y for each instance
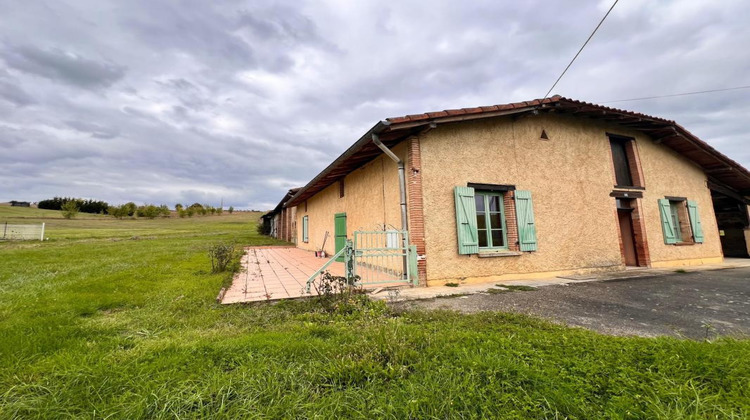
(167, 101)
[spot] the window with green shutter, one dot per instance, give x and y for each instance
(481, 221)
(305, 228)
(680, 221)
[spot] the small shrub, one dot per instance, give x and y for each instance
(219, 210)
(451, 284)
(339, 294)
(221, 255)
(230, 209)
(70, 209)
(263, 228)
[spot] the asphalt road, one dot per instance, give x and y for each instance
(695, 305)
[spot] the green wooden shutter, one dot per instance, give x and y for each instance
(666, 222)
(695, 221)
(304, 229)
(466, 220)
(526, 224)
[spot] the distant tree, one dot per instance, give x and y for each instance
(178, 207)
(190, 211)
(149, 211)
(131, 208)
(70, 209)
(164, 211)
(219, 210)
(230, 209)
(84, 206)
(182, 213)
(119, 212)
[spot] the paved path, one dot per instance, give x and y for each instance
(700, 304)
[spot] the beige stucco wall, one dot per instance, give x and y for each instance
(667, 173)
(570, 177)
(371, 202)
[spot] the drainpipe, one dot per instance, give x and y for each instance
(402, 191)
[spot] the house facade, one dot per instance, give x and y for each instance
(528, 190)
(281, 222)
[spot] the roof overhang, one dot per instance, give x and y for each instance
(719, 168)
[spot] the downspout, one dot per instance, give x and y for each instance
(402, 191)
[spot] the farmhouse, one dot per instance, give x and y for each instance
(523, 190)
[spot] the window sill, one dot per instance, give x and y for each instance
(630, 187)
(684, 243)
(501, 253)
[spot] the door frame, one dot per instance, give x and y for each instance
(632, 240)
(631, 202)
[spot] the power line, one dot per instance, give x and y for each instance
(676, 94)
(579, 51)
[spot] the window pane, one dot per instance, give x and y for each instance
(494, 203)
(497, 238)
(495, 222)
(482, 238)
(674, 206)
(620, 161)
(479, 199)
(481, 221)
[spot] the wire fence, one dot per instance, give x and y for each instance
(22, 232)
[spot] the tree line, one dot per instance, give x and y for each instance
(71, 206)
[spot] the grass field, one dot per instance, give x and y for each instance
(117, 319)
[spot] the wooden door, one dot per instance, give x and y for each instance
(339, 234)
(628, 241)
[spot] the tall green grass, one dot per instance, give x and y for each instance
(96, 323)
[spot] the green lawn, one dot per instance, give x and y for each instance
(117, 319)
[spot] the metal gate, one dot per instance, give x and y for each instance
(376, 257)
(382, 257)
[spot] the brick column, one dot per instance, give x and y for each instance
(634, 163)
(416, 205)
(511, 223)
(639, 231)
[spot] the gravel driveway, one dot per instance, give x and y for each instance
(695, 305)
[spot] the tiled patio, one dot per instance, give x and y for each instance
(272, 273)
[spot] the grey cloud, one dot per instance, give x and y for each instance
(95, 130)
(15, 94)
(63, 66)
